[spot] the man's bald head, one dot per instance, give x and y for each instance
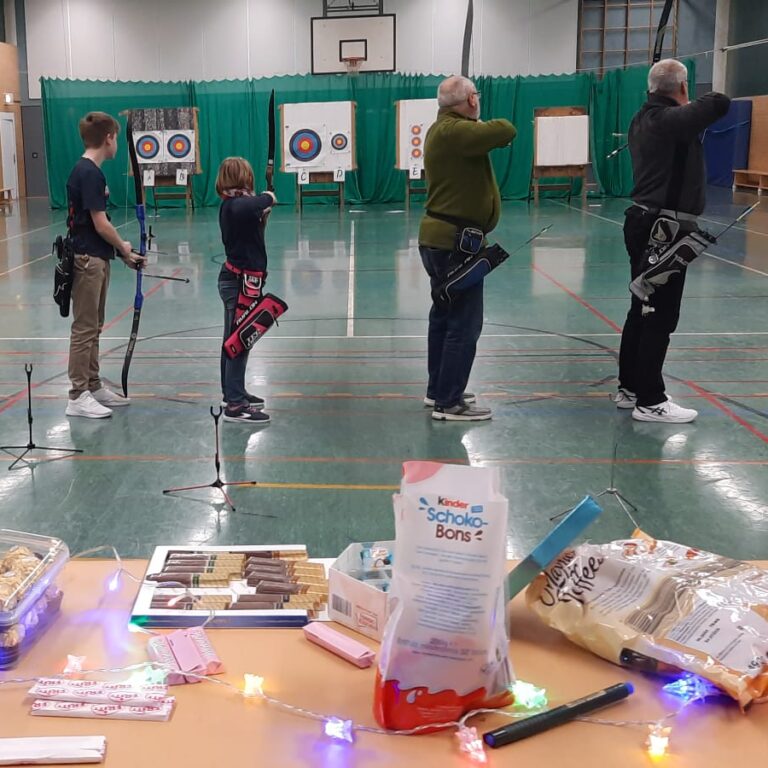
(459, 93)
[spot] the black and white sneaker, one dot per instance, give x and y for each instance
(666, 412)
(247, 413)
(624, 399)
(461, 412)
(253, 400)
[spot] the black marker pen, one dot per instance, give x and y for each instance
(557, 716)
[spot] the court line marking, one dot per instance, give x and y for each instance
(13, 399)
(351, 283)
(691, 384)
(706, 253)
(737, 229)
(555, 460)
(545, 334)
(25, 264)
(714, 400)
(30, 231)
(596, 312)
(736, 264)
(39, 258)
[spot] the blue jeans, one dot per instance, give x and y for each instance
(232, 371)
(453, 334)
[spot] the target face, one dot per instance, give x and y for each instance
(414, 119)
(148, 147)
(305, 145)
(339, 141)
(179, 146)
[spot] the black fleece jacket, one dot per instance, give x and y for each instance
(667, 155)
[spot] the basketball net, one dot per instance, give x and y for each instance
(353, 64)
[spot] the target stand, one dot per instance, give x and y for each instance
(414, 187)
(20, 460)
(218, 484)
(169, 182)
(319, 177)
(167, 144)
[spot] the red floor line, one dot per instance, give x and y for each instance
(596, 312)
(726, 410)
(154, 289)
(13, 399)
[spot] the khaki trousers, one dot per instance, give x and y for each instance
(89, 298)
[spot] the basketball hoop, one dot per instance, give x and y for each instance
(353, 64)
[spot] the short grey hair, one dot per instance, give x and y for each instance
(454, 90)
(666, 76)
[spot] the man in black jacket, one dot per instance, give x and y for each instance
(670, 179)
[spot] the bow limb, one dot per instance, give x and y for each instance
(270, 172)
(467, 45)
(138, 299)
(658, 46)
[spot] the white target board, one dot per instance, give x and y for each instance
(179, 146)
(150, 147)
(414, 117)
(318, 137)
(562, 140)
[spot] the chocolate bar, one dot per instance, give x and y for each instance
(97, 692)
(44, 708)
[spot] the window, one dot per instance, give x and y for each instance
(617, 33)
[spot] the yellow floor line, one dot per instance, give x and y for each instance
(328, 486)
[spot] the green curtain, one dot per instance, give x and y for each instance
(233, 121)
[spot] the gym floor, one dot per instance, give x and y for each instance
(344, 378)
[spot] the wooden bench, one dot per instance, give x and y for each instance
(6, 197)
(749, 179)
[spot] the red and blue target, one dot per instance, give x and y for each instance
(179, 146)
(147, 147)
(305, 145)
(339, 141)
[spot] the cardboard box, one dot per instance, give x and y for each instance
(352, 602)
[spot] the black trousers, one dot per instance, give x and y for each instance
(645, 338)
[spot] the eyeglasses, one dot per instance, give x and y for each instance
(475, 93)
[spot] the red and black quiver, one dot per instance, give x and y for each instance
(255, 313)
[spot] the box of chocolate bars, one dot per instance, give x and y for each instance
(358, 582)
(29, 597)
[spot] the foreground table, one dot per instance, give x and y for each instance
(214, 727)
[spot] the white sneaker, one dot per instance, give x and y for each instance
(624, 398)
(668, 412)
(110, 399)
(87, 406)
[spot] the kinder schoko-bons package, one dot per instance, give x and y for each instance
(445, 646)
(662, 607)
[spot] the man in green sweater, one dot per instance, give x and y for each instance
(461, 191)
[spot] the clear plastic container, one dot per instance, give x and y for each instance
(29, 597)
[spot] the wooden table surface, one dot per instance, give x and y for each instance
(213, 727)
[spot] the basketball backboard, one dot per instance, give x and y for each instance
(371, 38)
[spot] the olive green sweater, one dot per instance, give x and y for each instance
(460, 180)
